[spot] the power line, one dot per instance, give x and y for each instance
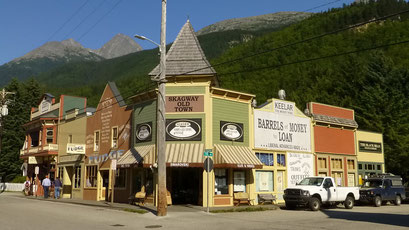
(325, 4)
(298, 42)
(318, 58)
(99, 20)
(82, 21)
(68, 20)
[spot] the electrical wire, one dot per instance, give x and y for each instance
(83, 20)
(298, 42)
(68, 20)
(99, 20)
(318, 58)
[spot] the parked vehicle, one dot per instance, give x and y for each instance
(378, 189)
(315, 191)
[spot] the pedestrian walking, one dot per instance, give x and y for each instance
(57, 188)
(46, 185)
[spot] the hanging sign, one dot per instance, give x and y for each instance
(231, 131)
(281, 132)
(143, 132)
(183, 129)
(183, 104)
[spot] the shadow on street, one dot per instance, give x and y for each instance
(379, 218)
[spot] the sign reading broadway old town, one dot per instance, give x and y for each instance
(231, 131)
(373, 147)
(281, 132)
(187, 103)
(183, 129)
(143, 132)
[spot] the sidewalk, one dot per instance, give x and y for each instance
(151, 208)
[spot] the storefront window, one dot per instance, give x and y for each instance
(266, 158)
(239, 181)
(77, 177)
(96, 141)
(91, 176)
(281, 160)
(114, 143)
(322, 162)
(336, 163)
(50, 136)
(264, 181)
(359, 166)
(120, 179)
(379, 167)
(351, 164)
(221, 186)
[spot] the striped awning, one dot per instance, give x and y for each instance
(185, 155)
(229, 156)
(144, 155)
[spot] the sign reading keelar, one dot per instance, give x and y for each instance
(281, 132)
(299, 166)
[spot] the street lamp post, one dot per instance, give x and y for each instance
(160, 117)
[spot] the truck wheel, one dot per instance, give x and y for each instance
(315, 204)
(349, 202)
(378, 201)
(290, 206)
(398, 200)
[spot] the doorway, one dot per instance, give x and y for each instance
(105, 184)
(186, 185)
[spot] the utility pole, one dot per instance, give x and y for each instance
(4, 111)
(160, 119)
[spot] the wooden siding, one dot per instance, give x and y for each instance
(144, 112)
(330, 140)
(178, 90)
(332, 111)
(231, 111)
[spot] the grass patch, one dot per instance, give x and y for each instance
(247, 209)
(140, 211)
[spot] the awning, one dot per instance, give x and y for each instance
(144, 155)
(229, 156)
(185, 155)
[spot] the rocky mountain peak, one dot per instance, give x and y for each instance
(118, 46)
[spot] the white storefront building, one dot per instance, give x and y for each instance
(282, 142)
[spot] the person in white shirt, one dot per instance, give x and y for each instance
(46, 185)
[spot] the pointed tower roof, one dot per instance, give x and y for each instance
(185, 56)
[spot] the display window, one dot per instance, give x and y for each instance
(264, 181)
(239, 181)
(221, 186)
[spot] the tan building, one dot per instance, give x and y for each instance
(369, 148)
(71, 145)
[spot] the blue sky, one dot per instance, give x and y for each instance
(28, 24)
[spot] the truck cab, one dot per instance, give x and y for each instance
(315, 191)
(378, 189)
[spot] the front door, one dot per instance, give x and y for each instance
(104, 185)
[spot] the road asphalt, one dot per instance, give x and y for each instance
(19, 212)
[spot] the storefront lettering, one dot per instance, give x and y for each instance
(102, 158)
(179, 164)
(284, 107)
(245, 166)
(270, 124)
(184, 103)
(287, 137)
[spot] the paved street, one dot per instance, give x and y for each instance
(18, 212)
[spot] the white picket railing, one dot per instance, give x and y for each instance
(11, 187)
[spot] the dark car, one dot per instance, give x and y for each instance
(381, 188)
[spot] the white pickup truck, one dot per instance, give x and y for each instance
(315, 191)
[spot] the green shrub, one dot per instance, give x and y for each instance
(19, 179)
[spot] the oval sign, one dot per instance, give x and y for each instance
(183, 129)
(144, 132)
(231, 131)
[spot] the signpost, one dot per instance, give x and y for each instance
(36, 172)
(208, 165)
(113, 168)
